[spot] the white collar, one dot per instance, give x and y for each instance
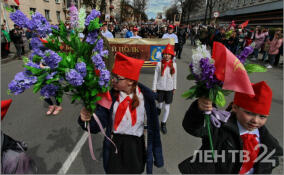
(243, 131)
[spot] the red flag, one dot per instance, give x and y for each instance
(243, 25)
(17, 2)
(230, 70)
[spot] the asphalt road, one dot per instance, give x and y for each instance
(51, 139)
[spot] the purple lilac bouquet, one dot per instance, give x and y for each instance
(55, 68)
(250, 68)
(202, 70)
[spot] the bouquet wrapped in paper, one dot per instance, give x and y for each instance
(64, 61)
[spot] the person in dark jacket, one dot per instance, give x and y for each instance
(17, 38)
(244, 132)
(132, 104)
(181, 34)
(14, 159)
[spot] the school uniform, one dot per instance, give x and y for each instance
(231, 137)
(126, 125)
(226, 138)
(164, 84)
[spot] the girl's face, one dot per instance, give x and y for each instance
(167, 56)
(249, 120)
(120, 83)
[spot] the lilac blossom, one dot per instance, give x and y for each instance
(93, 15)
(50, 76)
(207, 73)
(98, 61)
(74, 78)
(245, 53)
(19, 18)
(32, 64)
(104, 53)
(21, 82)
(36, 43)
(104, 77)
(39, 24)
(92, 37)
(49, 90)
(99, 46)
(73, 16)
(51, 59)
(81, 68)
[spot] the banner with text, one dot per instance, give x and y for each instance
(148, 49)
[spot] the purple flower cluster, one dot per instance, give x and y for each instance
(49, 90)
(104, 77)
(92, 16)
(32, 64)
(54, 27)
(98, 61)
(36, 43)
(19, 18)
(99, 46)
(104, 53)
(74, 78)
(81, 68)
(51, 59)
(207, 73)
(50, 76)
(92, 37)
(73, 16)
(21, 82)
(245, 53)
(39, 24)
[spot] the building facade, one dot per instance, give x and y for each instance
(53, 10)
(259, 12)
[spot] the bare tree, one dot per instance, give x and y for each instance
(139, 8)
(211, 5)
(90, 3)
(170, 12)
(188, 6)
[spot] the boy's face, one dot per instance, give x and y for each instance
(249, 120)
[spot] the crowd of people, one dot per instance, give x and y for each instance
(132, 121)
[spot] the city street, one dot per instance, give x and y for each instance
(58, 144)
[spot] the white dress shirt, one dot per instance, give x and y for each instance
(107, 34)
(167, 35)
(125, 126)
(167, 82)
(243, 131)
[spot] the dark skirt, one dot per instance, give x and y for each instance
(131, 156)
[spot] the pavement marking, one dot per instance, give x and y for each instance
(68, 162)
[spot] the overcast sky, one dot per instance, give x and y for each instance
(155, 6)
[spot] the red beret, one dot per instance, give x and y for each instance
(260, 103)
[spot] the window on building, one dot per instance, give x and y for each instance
(57, 1)
(47, 15)
(33, 10)
(46, 0)
(58, 15)
(15, 7)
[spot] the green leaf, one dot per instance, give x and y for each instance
(190, 93)
(212, 94)
(220, 99)
(250, 68)
(94, 92)
(37, 87)
(26, 60)
(190, 77)
(59, 99)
